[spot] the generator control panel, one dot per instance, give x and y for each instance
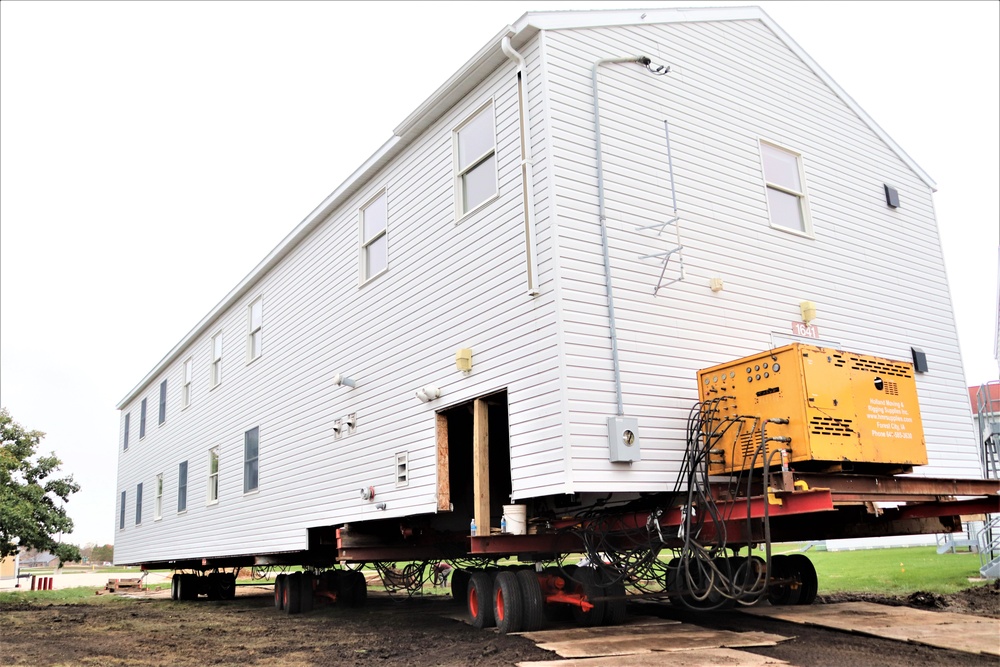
(828, 410)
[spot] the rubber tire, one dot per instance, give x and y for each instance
(188, 587)
(293, 593)
(353, 589)
(805, 571)
(614, 610)
(532, 602)
(175, 585)
(460, 585)
(214, 587)
(329, 581)
(480, 600)
(586, 583)
(279, 591)
(508, 607)
(227, 586)
(307, 584)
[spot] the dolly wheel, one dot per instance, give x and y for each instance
(508, 610)
(480, 600)
(804, 570)
(293, 593)
(614, 609)
(585, 584)
(279, 591)
(532, 601)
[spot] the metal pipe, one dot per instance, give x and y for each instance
(603, 223)
(527, 176)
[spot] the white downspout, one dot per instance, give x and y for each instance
(527, 177)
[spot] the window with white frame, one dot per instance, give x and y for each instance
(142, 419)
(787, 202)
(255, 318)
(374, 245)
(213, 475)
(158, 505)
(182, 486)
(186, 387)
(128, 416)
(402, 470)
(163, 402)
(138, 503)
(121, 513)
(251, 442)
(475, 160)
(217, 359)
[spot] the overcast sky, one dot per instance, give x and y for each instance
(154, 153)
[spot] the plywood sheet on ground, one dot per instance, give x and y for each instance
(649, 639)
(708, 658)
(957, 632)
(635, 624)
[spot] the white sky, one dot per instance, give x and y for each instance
(153, 153)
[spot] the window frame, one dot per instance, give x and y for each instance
(402, 470)
(128, 417)
(187, 371)
(802, 195)
(158, 503)
(258, 331)
(138, 504)
(213, 477)
(162, 415)
(182, 486)
(121, 511)
(251, 464)
(363, 272)
(142, 419)
(215, 368)
(461, 211)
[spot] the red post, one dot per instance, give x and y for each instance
(32, 582)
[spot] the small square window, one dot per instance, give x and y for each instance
(402, 470)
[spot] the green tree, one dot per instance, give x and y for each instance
(29, 514)
(103, 554)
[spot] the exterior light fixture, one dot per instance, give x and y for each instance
(341, 379)
(428, 393)
(463, 360)
(808, 310)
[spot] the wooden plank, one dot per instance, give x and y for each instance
(443, 481)
(481, 466)
(668, 639)
(705, 658)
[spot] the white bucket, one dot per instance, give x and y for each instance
(517, 522)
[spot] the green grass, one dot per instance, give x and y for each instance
(898, 571)
(79, 595)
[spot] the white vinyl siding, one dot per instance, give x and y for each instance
(374, 244)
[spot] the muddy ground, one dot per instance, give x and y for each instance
(153, 630)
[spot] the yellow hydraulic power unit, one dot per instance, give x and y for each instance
(829, 410)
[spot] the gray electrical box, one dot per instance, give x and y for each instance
(623, 439)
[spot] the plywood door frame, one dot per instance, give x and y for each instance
(443, 469)
(481, 465)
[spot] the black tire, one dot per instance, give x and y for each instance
(227, 586)
(614, 610)
(480, 600)
(805, 571)
(460, 585)
(329, 581)
(175, 585)
(214, 589)
(787, 592)
(279, 591)
(532, 602)
(508, 608)
(353, 589)
(585, 583)
(306, 581)
(293, 593)
(188, 587)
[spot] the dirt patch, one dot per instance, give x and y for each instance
(249, 631)
(980, 600)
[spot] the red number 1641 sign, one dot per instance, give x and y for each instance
(805, 330)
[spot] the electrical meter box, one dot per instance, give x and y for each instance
(844, 411)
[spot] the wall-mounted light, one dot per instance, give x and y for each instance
(716, 284)
(428, 393)
(808, 310)
(341, 379)
(463, 360)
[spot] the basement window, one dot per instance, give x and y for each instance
(784, 180)
(475, 160)
(402, 470)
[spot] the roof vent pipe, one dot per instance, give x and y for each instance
(527, 177)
